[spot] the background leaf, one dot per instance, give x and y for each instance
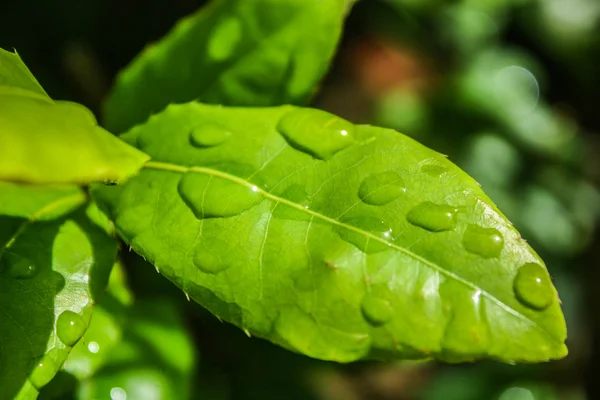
(334, 240)
(46, 293)
(155, 359)
(43, 141)
(232, 52)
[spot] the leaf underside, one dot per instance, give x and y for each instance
(231, 52)
(337, 241)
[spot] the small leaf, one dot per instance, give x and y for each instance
(334, 240)
(232, 52)
(46, 290)
(43, 141)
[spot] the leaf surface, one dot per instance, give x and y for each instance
(47, 288)
(231, 52)
(337, 241)
(58, 142)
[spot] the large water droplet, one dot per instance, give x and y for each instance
(298, 195)
(16, 266)
(533, 286)
(316, 132)
(118, 393)
(433, 217)
(486, 242)
(382, 188)
(210, 196)
(224, 39)
(377, 311)
(70, 327)
(370, 225)
(210, 255)
(209, 135)
(43, 371)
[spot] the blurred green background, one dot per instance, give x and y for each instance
(508, 89)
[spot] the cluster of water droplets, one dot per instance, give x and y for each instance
(322, 135)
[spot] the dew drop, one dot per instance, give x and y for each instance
(377, 311)
(298, 195)
(533, 287)
(118, 393)
(382, 188)
(433, 169)
(316, 132)
(18, 267)
(371, 225)
(485, 242)
(43, 371)
(70, 327)
(210, 255)
(433, 217)
(224, 39)
(209, 135)
(211, 197)
(93, 347)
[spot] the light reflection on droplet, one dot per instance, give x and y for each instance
(118, 393)
(476, 297)
(254, 188)
(344, 132)
(93, 347)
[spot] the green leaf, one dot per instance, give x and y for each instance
(232, 52)
(334, 240)
(105, 331)
(51, 272)
(14, 73)
(155, 359)
(43, 141)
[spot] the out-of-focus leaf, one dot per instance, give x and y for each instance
(43, 141)
(155, 358)
(51, 273)
(337, 241)
(232, 52)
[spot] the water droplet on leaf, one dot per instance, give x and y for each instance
(210, 255)
(209, 135)
(316, 132)
(210, 197)
(382, 188)
(93, 347)
(533, 286)
(118, 393)
(70, 327)
(434, 169)
(298, 195)
(371, 225)
(16, 266)
(224, 39)
(44, 370)
(486, 242)
(433, 217)
(377, 311)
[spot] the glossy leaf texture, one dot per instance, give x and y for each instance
(46, 288)
(334, 240)
(231, 52)
(153, 359)
(14, 73)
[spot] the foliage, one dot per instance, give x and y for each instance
(334, 240)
